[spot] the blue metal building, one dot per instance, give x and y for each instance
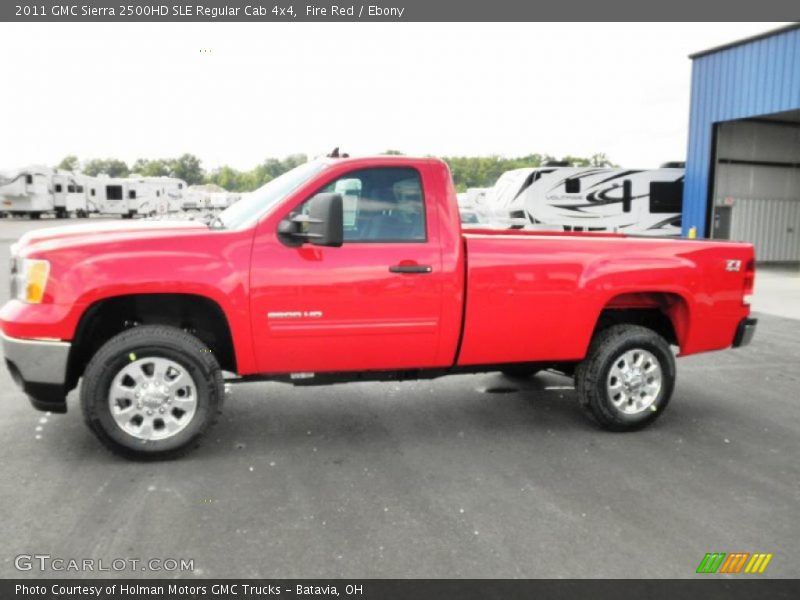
(743, 158)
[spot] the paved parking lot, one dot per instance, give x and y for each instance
(467, 476)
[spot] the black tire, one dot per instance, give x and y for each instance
(521, 371)
(144, 342)
(35, 216)
(593, 375)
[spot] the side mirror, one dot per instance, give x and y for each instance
(322, 226)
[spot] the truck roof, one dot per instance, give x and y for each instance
(382, 159)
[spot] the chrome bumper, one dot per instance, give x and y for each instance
(39, 367)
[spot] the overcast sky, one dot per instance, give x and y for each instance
(262, 90)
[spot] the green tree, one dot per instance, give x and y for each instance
(187, 167)
(110, 166)
(151, 168)
(69, 163)
(601, 160)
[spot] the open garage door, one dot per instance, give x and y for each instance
(756, 194)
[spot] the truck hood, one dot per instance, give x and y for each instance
(106, 232)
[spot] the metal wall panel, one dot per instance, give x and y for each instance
(772, 225)
(755, 78)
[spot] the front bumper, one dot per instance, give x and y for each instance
(39, 367)
(745, 332)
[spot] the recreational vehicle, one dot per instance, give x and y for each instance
(642, 201)
(79, 202)
(208, 197)
(136, 196)
(69, 193)
(149, 196)
(27, 191)
(111, 195)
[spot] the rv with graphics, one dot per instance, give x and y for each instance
(641, 201)
(27, 191)
(137, 196)
(156, 195)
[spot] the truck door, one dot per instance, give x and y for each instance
(373, 303)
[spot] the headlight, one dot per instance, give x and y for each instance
(28, 279)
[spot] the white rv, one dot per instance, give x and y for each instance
(79, 202)
(149, 196)
(69, 193)
(136, 196)
(641, 201)
(27, 191)
(208, 196)
(111, 195)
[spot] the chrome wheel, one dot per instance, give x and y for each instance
(634, 381)
(152, 398)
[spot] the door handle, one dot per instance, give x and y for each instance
(410, 268)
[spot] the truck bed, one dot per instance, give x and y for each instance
(537, 296)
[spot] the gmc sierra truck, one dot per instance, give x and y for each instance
(348, 269)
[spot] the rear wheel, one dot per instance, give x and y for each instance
(152, 392)
(627, 378)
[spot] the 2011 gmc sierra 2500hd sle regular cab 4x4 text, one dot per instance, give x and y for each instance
(353, 269)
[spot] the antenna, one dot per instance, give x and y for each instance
(335, 154)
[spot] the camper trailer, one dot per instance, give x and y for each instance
(208, 197)
(150, 196)
(27, 191)
(111, 195)
(78, 199)
(136, 196)
(641, 201)
(69, 193)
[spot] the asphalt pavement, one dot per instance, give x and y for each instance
(465, 476)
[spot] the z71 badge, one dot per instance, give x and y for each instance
(733, 265)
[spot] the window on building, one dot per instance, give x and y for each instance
(666, 196)
(380, 205)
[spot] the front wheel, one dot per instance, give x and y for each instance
(152, 392)
(627, 378)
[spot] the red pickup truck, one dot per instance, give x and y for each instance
(353, 269)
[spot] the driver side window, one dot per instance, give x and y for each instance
(382, 204)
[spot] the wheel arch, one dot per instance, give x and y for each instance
(194, 313)
(668, 313)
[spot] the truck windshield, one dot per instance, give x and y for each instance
(248, 210)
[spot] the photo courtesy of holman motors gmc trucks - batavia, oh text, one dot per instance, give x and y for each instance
(351, 269)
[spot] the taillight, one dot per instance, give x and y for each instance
(749, 281)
